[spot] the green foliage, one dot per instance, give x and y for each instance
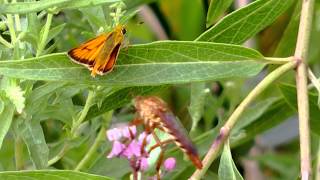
(50, 174)
(227, 168)
(176, 62)
(52, 112)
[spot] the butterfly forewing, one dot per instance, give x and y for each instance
(99, 54)
(86, 53)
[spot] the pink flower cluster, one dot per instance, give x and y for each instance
(127, 144)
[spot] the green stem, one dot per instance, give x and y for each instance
(277, 60)
(225, 130)
(44, 36)
(6, 43)
(74, 128)
(18, 151)
(17, 19)
(100, 138)
(59, 155)
(86, 159)
(83, 114)
(11, 29)
(317, 175)
(302, 89)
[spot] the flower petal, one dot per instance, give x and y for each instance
(170, 164)
(128, 131)
(144, 164)
(114, 134)
(133, 149)
(117, 148)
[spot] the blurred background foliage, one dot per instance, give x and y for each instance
(264, 144)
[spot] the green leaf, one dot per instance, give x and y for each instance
(216, 8)
(165, 62)
(227, 168)
(120, 98)
(95, 17)
(242, 24)
(131, 4)
(288, 40)
(53, 32)
(6, 117)
(290, 94)
(49, 175)
(40, 94)
(253, 113)
(32, 134)
(36, 6)
(275, 114)
(197, 101)
(287, 165)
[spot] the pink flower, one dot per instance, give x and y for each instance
(170, 164)
(142, 136)
(114, 134)
(133, 149)
(117, 149)
(129, 131)
(144, 164)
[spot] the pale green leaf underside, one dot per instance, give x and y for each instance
(166, 62)
(49, 175)
(227, 168)
(36, 6)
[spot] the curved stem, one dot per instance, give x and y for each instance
(225, 130)
(5, 43)
(100, 138)
(11, 29)
(84, 113)
(59, 155)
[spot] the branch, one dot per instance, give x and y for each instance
(302, 91)
(225, 130)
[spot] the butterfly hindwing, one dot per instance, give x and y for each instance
(99, 54)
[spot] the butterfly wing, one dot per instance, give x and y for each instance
(109, 53)
(87, 53)
(99, 54)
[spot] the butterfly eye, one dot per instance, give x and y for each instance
(124, 31)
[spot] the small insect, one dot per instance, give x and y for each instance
(154, 113)
(100, 53)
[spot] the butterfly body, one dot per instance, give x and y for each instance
(100, 54)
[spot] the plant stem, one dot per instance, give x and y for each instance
(107, 117)
(83, 114)
(11, 29)
(59, 155)
(100, 138)
(225, 130)
(17, 19)
(74, 128)
(277, 60)
(317, 175)
(18, 153)
(6, 43)
(44, 35)
(302, 90)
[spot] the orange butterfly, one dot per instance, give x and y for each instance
(100, 53)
